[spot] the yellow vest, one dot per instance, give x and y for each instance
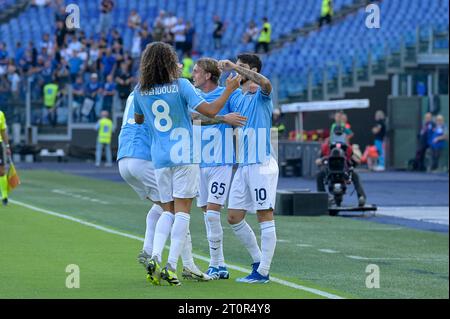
(2, 124)
(105, 127)
(326, 8)
(50, 93)
(265, 36)
(187, 68)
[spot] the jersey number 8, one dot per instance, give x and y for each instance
(162, 122)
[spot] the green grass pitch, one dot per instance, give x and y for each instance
(311, 252)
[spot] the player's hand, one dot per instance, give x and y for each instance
(8, 151)
(234, 119)
(226, 65)
(253, 87)
(233, 82)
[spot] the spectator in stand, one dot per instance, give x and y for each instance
(60, 34)
(134, 20)
(179, 33)
(169, 21)
(190, 37)
(251, 33)
(264, 36)
(93, 91)
(60, 14)
(326, 14)
(46, 43)
(159, 19)
(46, 73)
(78, 97)
(19, 52)
(425, 141)
(3, 58)
(106, 8)
(439, 136)
(123, 80)
(62, 73)
(109, 90)
(116, 37)
(219, 30)
(75, 66)
(93, 57)
(146, 36)
(158, 33)
(14, 80)
(379, 130)
(136, 46)
(108, 63)
(5, 89)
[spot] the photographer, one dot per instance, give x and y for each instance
(338, 136)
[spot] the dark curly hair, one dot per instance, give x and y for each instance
(159, 65)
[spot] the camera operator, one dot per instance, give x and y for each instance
(338, 136)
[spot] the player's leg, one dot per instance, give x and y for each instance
(264, 185)
(185, 188)
(218, 188)
(136, 172)
(239, 203)
(164, 224)
(144, 172)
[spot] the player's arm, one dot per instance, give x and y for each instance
(139, 118)
(261, 80)
(233, 119)
(138, 114)
(211, 109)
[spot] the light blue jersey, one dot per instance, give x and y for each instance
(254, 138)
(134, 140)
(217, 140)
(166, 109)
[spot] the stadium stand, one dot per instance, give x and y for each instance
(313, 65)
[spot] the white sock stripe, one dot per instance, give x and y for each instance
(213, 212)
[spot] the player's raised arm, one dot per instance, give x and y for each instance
(211, 109)
(233, 119)
(261, 80)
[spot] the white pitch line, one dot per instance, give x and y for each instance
(303, 245)
(328, 251)
(86, 198)
(396, 258)
(203, 258)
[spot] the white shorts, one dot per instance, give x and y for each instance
(177, 182)
(140, 175)
(254, 187)
(215, 184)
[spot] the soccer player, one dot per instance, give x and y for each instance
(165, 100)
(136, 168)
(255, 181)
(215, 170)
(4, 148)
